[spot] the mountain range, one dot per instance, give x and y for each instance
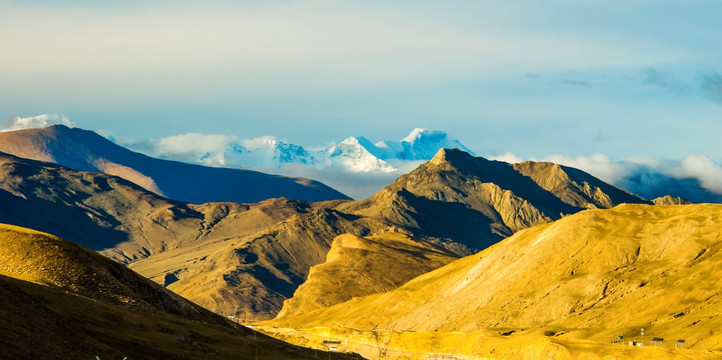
(354, 154)
(359, 167)
(247, 259)
(87, 151)
(461, 256)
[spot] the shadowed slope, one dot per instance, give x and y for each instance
(117, 217)
(87, 151)
(250, 276)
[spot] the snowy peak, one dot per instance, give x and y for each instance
(423, 144)
(353, 154)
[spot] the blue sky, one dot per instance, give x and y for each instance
(534, 78)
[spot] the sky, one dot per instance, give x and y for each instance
(569, 78)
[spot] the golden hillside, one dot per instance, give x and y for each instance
(589, 276)
(61, 300)
(358, 266)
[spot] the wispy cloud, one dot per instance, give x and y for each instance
(711, 85)
(664, 79)
(575, 82)
(39, 121)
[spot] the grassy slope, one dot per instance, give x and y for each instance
(358, 266)
(589, 276)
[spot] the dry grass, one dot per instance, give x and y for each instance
(587, 277)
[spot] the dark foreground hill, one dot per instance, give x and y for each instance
(63, 301)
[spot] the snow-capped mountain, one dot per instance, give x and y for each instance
(354, 154)
(420, 144)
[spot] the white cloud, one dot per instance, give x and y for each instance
(598, 165)
(204, 149)
(696, 177)
(507, 157)
(33, 122)
(705, 170)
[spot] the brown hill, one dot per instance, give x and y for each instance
(487, 200)
(61, 300)
(250, 276)
(85, 150)
(212, 243)
(588, 276)
(458, 202)
(117, 217)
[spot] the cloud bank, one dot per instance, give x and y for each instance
(696, 177)
(33, 122)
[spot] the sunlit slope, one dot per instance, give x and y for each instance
(525, 345)
(358, 266)
(87, 151)
(61, 300)
(593, 275)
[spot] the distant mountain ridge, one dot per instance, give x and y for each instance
(354, 154)
(85, 150)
